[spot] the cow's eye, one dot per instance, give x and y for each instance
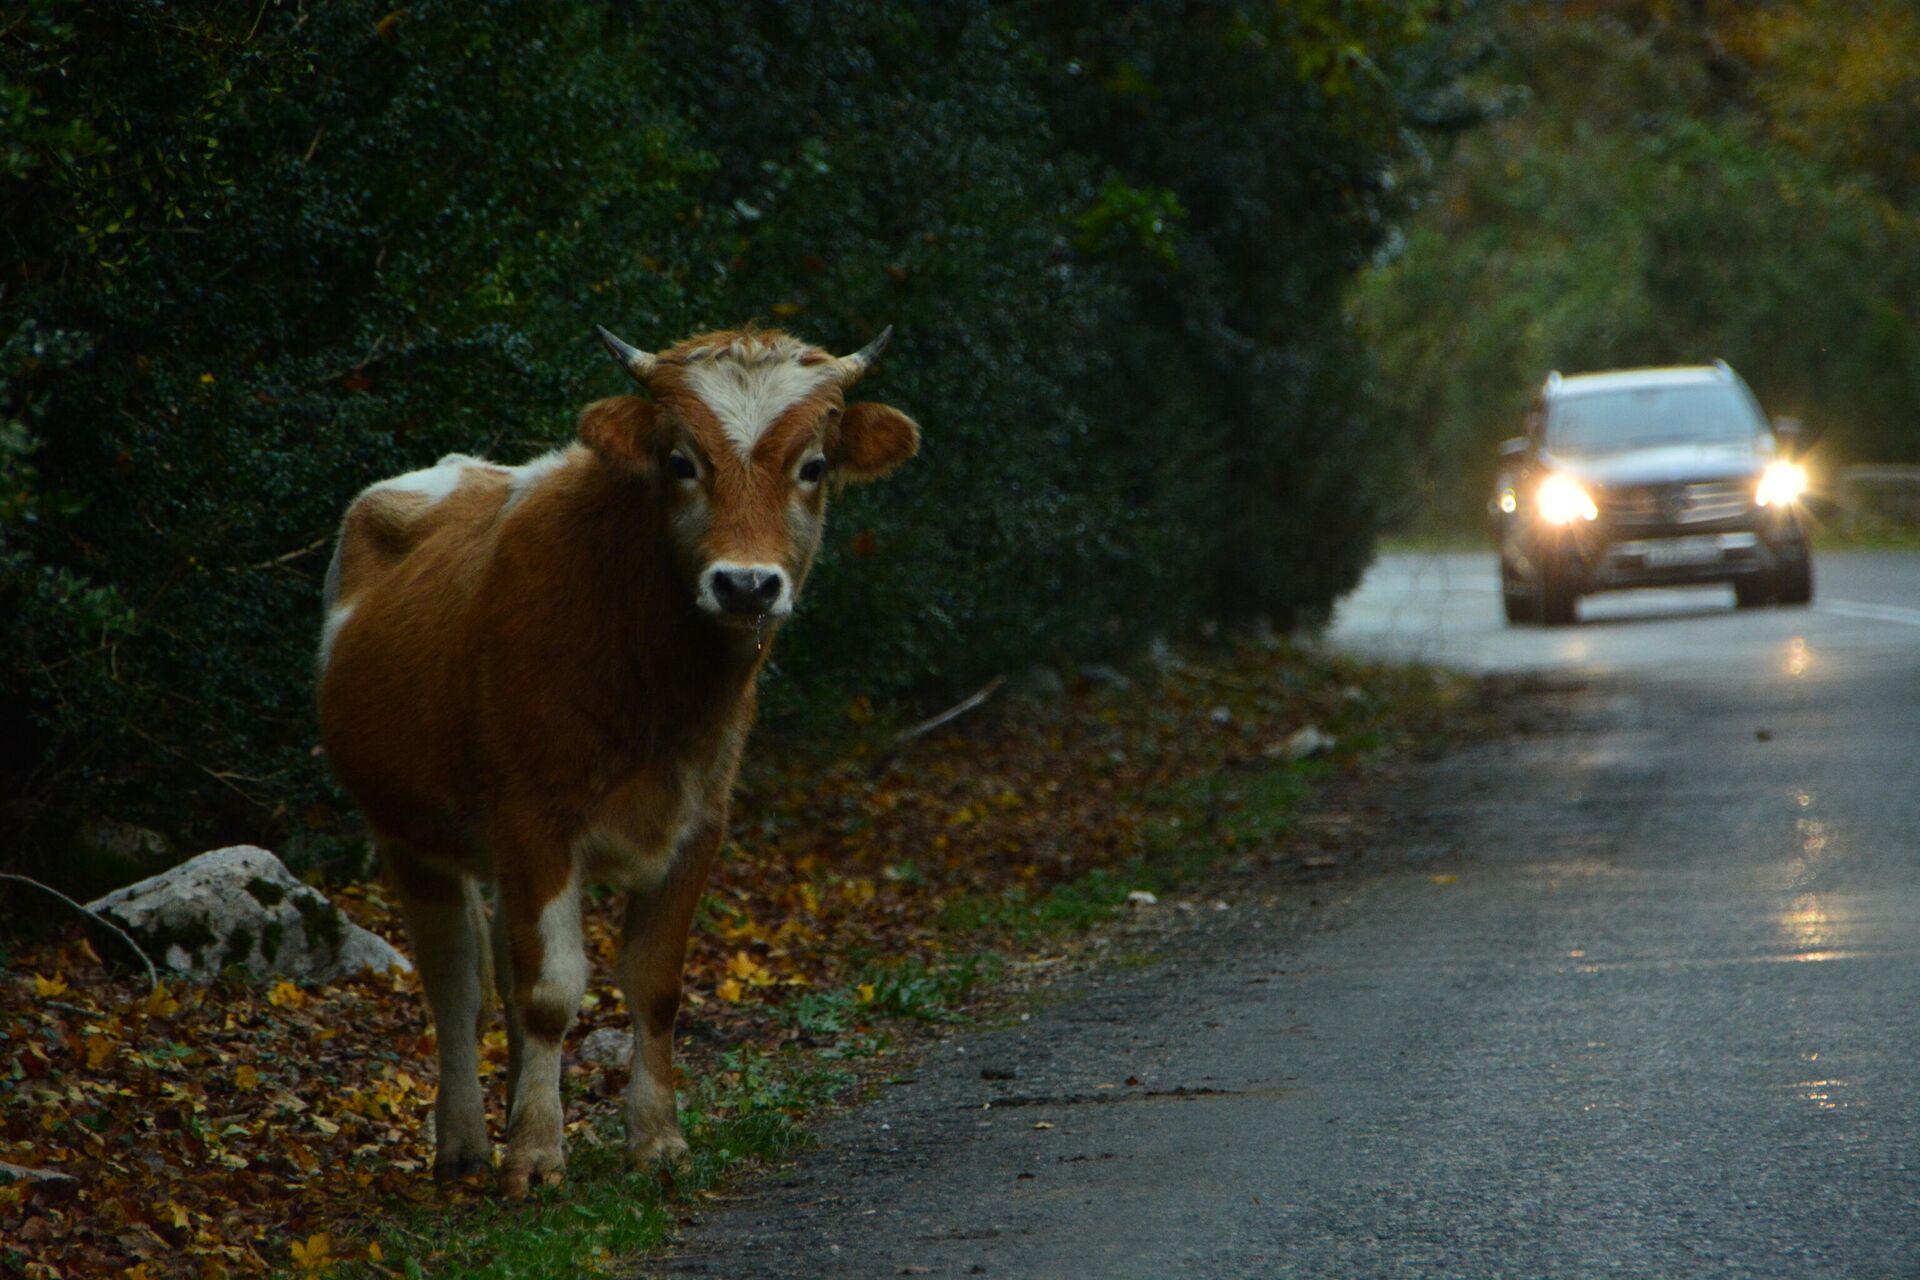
(681, 467)
(813, 469)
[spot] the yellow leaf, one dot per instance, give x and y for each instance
(729, 991)
(246, 1077)
(742, 965)
(206, 379)
(314, 1255)
(176, 1213)
(49, 986)
(136, 1273)
(99, 1049)
(160, 1002)
(861, 711)
(285, 995)
(373, 1252)
(865, 991)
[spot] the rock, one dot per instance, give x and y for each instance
(1142, 898)
(1039, 683)
(1098, 675)
(242, 906)
(607, 1047)
(1161, 655)
(1304, 744)
(1220, 715)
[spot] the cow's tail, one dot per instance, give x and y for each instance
(479, 922)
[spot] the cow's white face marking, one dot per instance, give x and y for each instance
(749, 387)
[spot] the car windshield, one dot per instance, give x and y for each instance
(1604, 422)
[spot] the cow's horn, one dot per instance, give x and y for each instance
(851, 367)
(639, 363)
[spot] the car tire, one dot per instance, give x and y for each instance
(1754, 590)
(1553, 601)
(1516, 601)
(1796, 580)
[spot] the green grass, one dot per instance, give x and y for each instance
(745, 1113)
(1878, 538)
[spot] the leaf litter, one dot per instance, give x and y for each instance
(239, 1128)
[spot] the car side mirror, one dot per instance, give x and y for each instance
(1512, 448)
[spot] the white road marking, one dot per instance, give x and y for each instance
(1873, 612)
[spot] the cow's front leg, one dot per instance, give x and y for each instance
(540, 894)
(653, 953)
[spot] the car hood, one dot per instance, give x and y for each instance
(1668, 464)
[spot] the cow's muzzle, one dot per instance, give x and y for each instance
(746, 591)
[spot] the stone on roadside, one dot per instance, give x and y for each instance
(1142, 898)
(607, 1047)
(242, 906)
(1303, 744)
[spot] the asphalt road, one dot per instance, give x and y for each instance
(1633, 991)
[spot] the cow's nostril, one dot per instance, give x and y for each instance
(746, 590)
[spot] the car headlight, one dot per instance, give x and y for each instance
(1780, 484)
(1562, 500)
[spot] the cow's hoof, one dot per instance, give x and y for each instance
(668, 1151)
(517, 1178)
(461, 1168)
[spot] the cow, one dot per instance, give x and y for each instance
(538, 678)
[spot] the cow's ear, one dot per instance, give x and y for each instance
(620, 430)
(872, 440)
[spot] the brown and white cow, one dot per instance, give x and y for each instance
(541, 677)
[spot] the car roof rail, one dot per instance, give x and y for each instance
(1726, 370)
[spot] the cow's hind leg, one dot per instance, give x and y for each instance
(540, 896)
(653, 950)
(447, 940)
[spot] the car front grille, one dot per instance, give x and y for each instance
(1667, 504)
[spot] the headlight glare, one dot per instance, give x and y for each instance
(1562, 500)
(1780, 484)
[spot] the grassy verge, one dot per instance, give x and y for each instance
(873, 892)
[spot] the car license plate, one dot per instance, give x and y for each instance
(1682, 551)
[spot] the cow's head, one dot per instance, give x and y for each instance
(741, 435)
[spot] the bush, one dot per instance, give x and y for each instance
(269, 255)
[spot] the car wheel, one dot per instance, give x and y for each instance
(1553, 601)
(1515, 599)
(1754, 590)
(1796, 580)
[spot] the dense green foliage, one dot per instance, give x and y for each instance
(1675, 184)
(263, 254)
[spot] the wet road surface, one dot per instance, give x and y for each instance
(1633, 991)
